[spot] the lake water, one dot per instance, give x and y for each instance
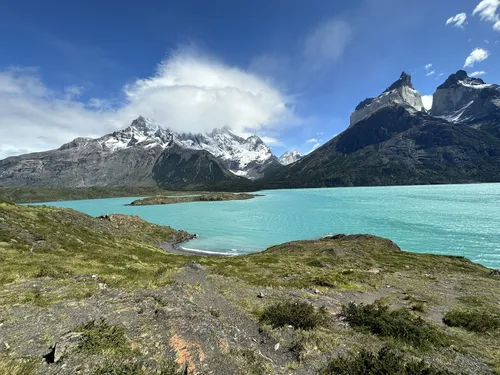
(445, 219)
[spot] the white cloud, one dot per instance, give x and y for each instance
(488, 11)
(427, 101)
(457, 20)
(193, 93)
(187, 93)
(439, 75)
(271, 141)
(34, 118)
(314, 147)
(477, 55)
(428, 70)
(477, 74)
(326, 44)
(487, 41)
(312, 140)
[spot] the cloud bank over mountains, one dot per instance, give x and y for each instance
(187, 93)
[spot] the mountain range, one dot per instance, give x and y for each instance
(142, 154)
(391, 140)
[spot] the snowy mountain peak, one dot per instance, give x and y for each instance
(460, 78)
(290, 157)
(404, 80)
(400, 93)
(146, 126)
(462, 99)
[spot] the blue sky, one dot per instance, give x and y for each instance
(291, 71)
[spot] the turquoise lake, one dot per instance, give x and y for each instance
(445, 219)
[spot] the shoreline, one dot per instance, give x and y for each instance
(173, 247)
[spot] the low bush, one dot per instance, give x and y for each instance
(475, 321)
(300, 315)
(385, 362)
(102, 338)
(400, 324)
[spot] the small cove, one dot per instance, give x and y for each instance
(442, 219)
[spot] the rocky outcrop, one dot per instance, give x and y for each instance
(179, 167)
(400, 93)
(465, 100)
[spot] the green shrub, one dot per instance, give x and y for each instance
(102, 338)
(298, 314)
(386, 362)
(475, 321)
(166, 367)
(400, 324)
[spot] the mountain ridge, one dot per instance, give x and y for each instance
(115, 158)
(395, 144)
(391, 140)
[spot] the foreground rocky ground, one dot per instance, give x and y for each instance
(82, 295)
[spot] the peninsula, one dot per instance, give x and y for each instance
(202, 197)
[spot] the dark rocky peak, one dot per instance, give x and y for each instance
(364, 103)
(404, 80)
(460, 77)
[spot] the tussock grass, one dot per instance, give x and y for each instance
(127, 367)
(385, 362)
(9, 366)
(102, 338)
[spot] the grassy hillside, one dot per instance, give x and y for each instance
(97, 296)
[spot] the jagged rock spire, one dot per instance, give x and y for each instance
(404, 80)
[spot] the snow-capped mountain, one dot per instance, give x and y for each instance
(393, 141)
(466, 100)
(289, 157)
(400, 92)
(127, 157)
(243, 157)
